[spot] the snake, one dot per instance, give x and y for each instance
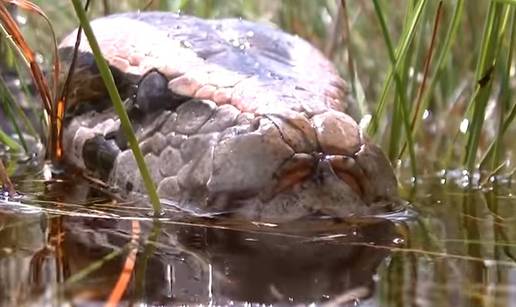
(232, 117)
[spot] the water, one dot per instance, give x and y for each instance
(66, 242)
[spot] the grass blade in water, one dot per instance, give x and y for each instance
(109, 82)
(491, 39)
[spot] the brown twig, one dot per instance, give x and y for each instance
(426, 69)
(107, 8)
(37, 75)
(428, 59)
(5, 181)
(147, 5)
(33, 8)
(20, 41)
(127, 270)
(61, 101)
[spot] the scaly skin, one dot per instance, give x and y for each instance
(232, 116)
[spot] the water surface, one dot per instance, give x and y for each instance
(65, 241)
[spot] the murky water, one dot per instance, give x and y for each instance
(450, 247)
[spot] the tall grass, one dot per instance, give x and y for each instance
(436, 77)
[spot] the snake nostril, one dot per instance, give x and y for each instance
(322, 170)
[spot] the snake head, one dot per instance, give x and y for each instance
(259, 132)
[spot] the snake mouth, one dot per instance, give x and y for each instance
(315, 185)
(318, 168)
(365, 177)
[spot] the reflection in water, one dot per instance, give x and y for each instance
(203, 264)
(55, 249)
(458, 250)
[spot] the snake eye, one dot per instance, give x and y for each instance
(153, 93)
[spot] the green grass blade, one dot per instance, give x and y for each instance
(7, 105)
(401, 52)
(145, 256)
(493, 30)
(8, 141)
(12, 109)
(441, 61)
(107, 77)
(400, 77)
(511, 2)
(16, 109)
(395, 60)
(492, 154)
